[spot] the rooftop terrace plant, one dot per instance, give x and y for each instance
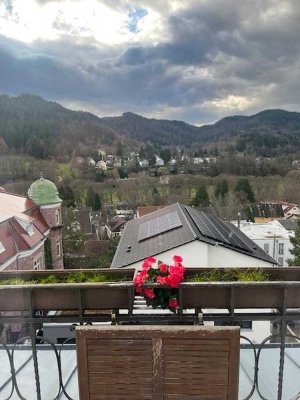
(76, 277)
(167, 278)
(231, 275)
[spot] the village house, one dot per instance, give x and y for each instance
(265, 212)
(115, 226)
(201, 239)
(159, 161)
(30, 224)
(272, 237)
(101, 165)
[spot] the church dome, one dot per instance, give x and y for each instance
(43, 191)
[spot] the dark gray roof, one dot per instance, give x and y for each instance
(267, 210)
(289, 224)
(196, 225)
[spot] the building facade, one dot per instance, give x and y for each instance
(31, 228)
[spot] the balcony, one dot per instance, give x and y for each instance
(38, 367)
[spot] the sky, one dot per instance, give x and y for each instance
(190, 60)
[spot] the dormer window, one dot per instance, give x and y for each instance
(29, 230)
(2, 248)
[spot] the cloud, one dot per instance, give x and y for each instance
(197, 60)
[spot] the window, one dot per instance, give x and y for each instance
(58, 247)
(57, 217)
(266, 247)
(281, 248)
(29, 230)
(37, 264)
(2, 248)
(280, 261)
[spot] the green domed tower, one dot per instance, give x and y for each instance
(45, 194)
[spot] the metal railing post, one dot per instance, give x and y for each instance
(35, 362)
(281, 361)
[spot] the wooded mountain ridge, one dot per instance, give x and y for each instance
(45, 129)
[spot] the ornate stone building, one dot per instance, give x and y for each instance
(30, 227)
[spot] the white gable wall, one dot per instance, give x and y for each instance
(197, 254)
(194, 255)
(219, 256)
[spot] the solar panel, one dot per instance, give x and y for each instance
(214, 228)
(159, 225)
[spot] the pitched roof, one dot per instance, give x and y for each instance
(144, 210)
(116, 223)
(267, 210)
(289, 224)
(16, 214)
(12, 204)
(175, 225)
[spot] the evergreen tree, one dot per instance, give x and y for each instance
(96, 205)
(244, 190)
(295, 251)
(201, 198)
(165, 154)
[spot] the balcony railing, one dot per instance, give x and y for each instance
(37, 367)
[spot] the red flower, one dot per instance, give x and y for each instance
(177, 259)
(149, 293)
(162, 274)
(162, 280)
(140, 278)
(174, 281)
(151, 260)
(173, 303)
(146, 265)
(163, 267)
(138, 290)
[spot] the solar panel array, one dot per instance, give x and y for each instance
(159, 225)
(214, 228)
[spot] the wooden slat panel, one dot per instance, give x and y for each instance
(120, 368)
(158, 363)
(196, 367)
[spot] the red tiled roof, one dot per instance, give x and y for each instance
(15, 211)
(39, 220)
(7, 240)
(116, 223)
(12, 204)
(141, 211)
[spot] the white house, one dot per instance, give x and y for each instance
(159, 161)
(91, 162)
(198, 160)
(143, 163)
(201, 239)
(272, 237)
(101, 165)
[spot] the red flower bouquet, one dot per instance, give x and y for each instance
(167, 276)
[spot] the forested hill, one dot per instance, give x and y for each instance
(45, 129)
(160, 131)
(30, 124)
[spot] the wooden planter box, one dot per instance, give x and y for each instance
(66, 296)
(283, 291)
(280, 294)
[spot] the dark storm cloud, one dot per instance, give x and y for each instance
(214, 50)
